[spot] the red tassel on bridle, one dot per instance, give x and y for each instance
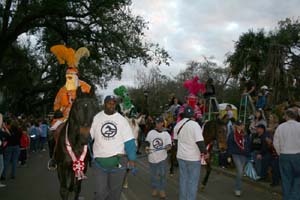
(78, 163)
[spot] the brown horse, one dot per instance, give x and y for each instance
(71, 149)
(214, 130)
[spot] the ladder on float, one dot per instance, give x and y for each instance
(246, 109)
(212, 114)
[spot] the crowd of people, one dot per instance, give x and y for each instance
(118, 136)
(19, 136)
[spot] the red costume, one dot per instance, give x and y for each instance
(194, 87)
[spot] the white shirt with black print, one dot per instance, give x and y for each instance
(110, 132)
(158, 140)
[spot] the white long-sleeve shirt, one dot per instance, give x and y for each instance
(287, 138)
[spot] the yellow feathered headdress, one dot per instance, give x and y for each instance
(69, 56)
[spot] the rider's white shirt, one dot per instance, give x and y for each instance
(110, 132)
(158, 140)
(190, 133)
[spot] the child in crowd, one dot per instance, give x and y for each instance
(158, 143)
(24, 144)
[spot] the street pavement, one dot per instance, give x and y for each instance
(35, 182)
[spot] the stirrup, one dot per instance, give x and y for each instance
(52, 167)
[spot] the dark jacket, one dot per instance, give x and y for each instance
(14, 138)
(233, 147)
(3, 138)
(259, 143)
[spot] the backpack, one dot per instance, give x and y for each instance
(24, 142)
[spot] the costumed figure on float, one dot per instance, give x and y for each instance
(67, 94)
(125, 106)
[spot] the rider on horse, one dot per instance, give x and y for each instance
(67, 94)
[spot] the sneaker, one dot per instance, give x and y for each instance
(125, 185)
(237, 193)
(162, 194)
(2, 185)
(154, 193)
(43, 149)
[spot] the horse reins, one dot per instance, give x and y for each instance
(78, 162)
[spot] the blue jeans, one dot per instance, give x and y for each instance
(34, 142)
(239, 161)
(109, 184)
(11, 154)
(290, 175)
(223, 159)
(275, 170)
(42, 141)
(158, 172)
(189, 174)
(262, 165)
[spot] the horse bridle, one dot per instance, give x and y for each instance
(78, 161)
(85, 128)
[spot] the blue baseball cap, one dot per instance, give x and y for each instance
(159, 120)
(110, 98)
(261, 126)
(188, 112)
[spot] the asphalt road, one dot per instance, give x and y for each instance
(35, 182)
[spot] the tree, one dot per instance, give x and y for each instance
(284, 60)
(271, 59)
(249, 57)
(159, 87)
(107, 28)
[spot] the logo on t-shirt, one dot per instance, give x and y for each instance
(157, 143)
(109, 130)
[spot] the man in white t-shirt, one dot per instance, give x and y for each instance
(158, 143)
(114, 150)
(287, 145)
(190, 144)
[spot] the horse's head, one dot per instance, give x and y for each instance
(84, 108)
(215, 130)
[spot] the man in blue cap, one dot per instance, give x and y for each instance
(114, 150)
(190, 142)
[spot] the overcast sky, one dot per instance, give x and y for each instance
(189, 29)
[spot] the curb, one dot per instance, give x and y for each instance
(263, 185)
